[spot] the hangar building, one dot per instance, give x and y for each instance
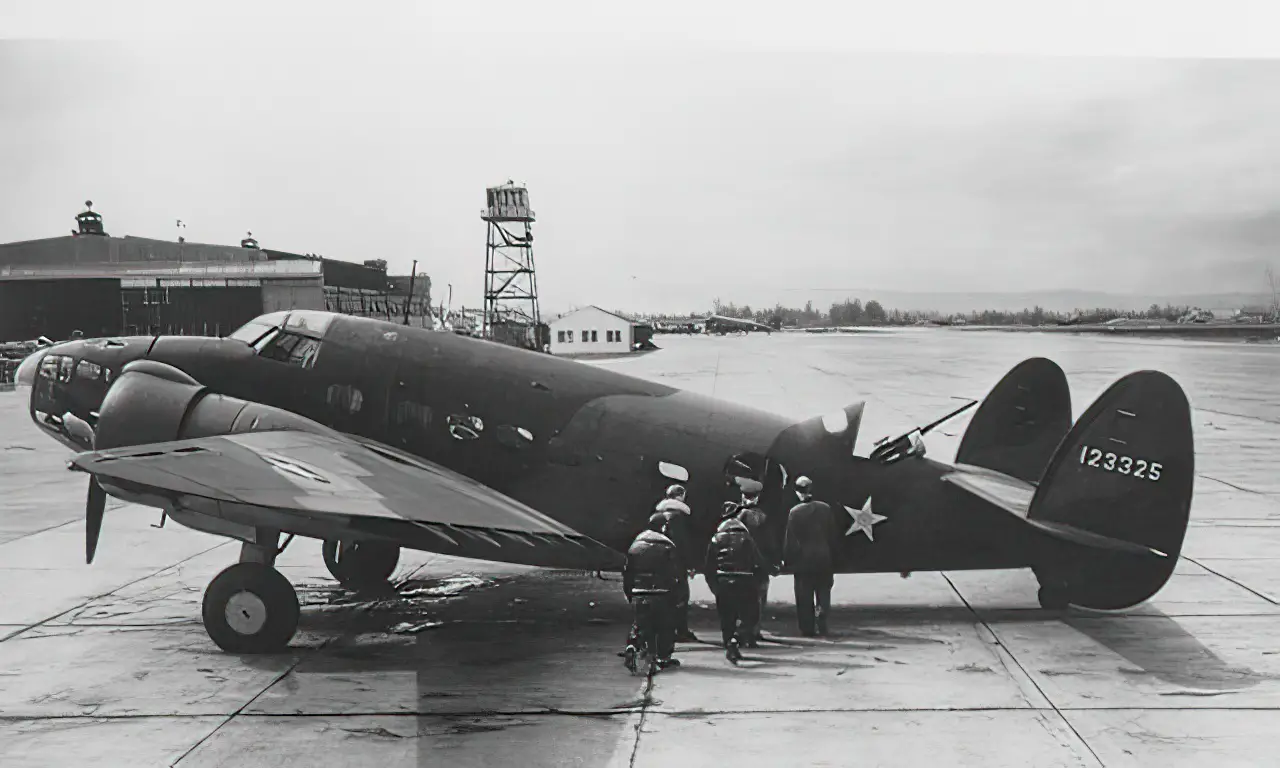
(106, 286)
(591, 330)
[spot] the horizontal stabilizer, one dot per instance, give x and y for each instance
(1008, 493)
(1014, 496)
(1098, 541)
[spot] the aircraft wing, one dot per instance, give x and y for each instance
(740, 322)
(337, 481)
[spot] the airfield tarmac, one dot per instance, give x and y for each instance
(489, 665)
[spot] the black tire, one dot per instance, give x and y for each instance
(361, 564)
(1053, 599)
(250, 608)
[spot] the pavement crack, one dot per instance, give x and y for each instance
(646, 701)
(1233, 581)
(81, 606)
(1237, 487)
(1014, 659)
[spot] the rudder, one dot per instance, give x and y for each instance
(1021, 422)
(1124, 471)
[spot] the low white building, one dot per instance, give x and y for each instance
(591, 330)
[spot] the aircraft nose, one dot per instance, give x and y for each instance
(25, 376)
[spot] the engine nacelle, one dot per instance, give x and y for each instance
(152, 402)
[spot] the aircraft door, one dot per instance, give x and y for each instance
(773, 502)
(411, 421)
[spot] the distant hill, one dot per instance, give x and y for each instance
(963, 302)
(1056, 301)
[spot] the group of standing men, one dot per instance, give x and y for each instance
(738, 564)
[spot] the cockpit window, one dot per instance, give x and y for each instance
(308, 322)
(49, 367)
(300, 322)
(251, 331)
(87, 371)
(291, 348)
(66, 367)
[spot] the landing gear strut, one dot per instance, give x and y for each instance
(361, 564)
(250, 607)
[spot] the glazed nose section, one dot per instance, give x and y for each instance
(25, 376)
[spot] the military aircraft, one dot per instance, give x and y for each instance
(719, 324)
(374, 437)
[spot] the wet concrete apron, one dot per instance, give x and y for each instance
(481, 664)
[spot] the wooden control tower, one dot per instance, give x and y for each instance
(510, 285)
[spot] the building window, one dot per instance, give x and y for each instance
(569, 336)
(560, 336)
(594, 337)
(585, 337)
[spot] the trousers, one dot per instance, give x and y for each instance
(655, 622)
(682, 604)
(813, 600)
(737, 600)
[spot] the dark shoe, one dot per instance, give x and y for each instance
(668, 663)
(685, 636)
(732, 653)
(807, 633)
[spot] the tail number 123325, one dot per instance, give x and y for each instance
(1125, 465)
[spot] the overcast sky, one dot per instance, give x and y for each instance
(669, 163)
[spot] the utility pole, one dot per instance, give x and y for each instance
(409, 302)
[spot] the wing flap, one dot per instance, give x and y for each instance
(323, 476)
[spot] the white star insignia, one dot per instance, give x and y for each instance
(863, 519)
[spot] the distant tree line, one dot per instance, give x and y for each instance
(854, 312)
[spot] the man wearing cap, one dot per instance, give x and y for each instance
(809, 549)
(754, 519)
(676, 511)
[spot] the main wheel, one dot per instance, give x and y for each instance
(1053, 598)
(361, 564)
(250, 608)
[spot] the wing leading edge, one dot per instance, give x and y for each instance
(323, 479)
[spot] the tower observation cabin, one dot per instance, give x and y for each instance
(88, 222)
(511, 312)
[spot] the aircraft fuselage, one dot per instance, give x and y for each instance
(587, 446)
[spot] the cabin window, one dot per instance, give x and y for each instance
(569, 336)
(49, 367)
(411, 414)
(560, 336)
(465, 426)
(88, 371)
(593, 336)
(345, 397)
(292, 349)
(66, 366)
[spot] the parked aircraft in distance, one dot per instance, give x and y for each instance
(719, 324)
(375, 437)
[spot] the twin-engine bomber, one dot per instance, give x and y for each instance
(374, 437)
